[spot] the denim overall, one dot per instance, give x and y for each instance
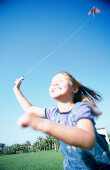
(77, 158)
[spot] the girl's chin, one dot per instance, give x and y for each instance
(55, 96)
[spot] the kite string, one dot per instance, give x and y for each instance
(59, 46)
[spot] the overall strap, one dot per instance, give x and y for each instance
(56, 116)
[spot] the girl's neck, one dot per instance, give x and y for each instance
(65, 107)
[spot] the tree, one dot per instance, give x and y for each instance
(56, 144)
(49, 142)
(27, 146)
(109, 136)
(41, 144)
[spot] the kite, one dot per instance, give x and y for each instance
(94, 10)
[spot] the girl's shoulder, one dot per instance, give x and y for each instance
(81, 106)
(83, 111)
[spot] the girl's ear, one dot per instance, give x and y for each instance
(75, 89)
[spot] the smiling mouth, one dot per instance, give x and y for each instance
(59, 88)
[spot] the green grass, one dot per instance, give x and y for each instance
(109, 147)
(48, 160)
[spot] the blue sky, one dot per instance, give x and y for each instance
(29, 31)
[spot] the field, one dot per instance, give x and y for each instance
(48, 160)
(109, 147)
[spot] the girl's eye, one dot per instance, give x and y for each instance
(57, 82)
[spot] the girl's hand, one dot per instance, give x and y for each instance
(18, 82)
(26, 119)
(31, 120)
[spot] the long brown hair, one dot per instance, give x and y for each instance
(85, 94)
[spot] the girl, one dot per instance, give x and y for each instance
(72, 122)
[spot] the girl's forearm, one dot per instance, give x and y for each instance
(25, 104)
(71, 135)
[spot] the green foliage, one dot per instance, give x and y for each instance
(49, 160)
(109, 147)
(42, 144)
(47, 143)
(108, 136)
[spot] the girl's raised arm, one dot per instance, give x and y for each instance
(24, 103)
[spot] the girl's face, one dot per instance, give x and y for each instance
(60, 87)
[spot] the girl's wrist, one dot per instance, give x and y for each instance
(44, 126)
(38, 123)
(15, 88)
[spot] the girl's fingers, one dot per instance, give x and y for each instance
(19, 80)
(23, 120)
